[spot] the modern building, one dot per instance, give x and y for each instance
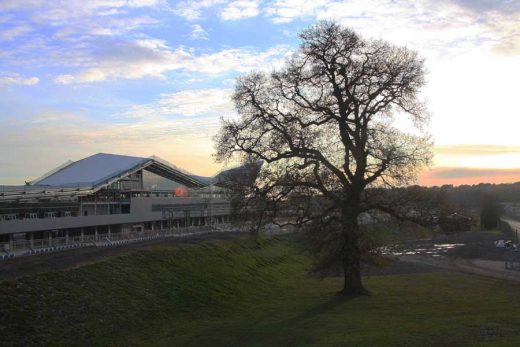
(109, 197)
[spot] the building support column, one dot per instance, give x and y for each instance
(109, 232)
(11, 242)
(82, 235)
(50, 238)
(31, 240)
(96, 233)
(66, 236)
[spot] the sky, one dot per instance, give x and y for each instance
(153, 77)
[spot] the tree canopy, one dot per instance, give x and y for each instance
(324, 127)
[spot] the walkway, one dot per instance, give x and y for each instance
(482, 267)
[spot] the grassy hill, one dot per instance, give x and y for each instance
(249, 293)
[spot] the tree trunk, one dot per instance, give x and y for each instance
(353, 285)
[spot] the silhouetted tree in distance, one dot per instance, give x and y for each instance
(490, 212)
(323, 126)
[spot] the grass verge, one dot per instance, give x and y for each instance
(249, 293)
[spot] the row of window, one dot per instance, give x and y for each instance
(36, 215)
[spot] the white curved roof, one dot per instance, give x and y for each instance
(90, 171)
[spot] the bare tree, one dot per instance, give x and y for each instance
(323, 125)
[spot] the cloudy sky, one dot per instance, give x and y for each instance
(143, 77)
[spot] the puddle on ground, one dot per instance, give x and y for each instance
(436, 250)
(448, 245)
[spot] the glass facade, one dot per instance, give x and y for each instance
(153, 182)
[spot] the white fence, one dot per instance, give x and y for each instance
(21, 247)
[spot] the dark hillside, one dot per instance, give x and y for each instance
(247, 293)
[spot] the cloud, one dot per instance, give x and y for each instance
(192, 10)
(429, 25)
(129, 60)
(240, 9)
(284, 11)
(457, 176)
(239, 60)
(99, 25)
(9, 5)
(195, 103)
(14, 32)
(479, 6)
(16, 79)
(456, 173)
(476, 149)
(153, 58)
(200, 101)
(198, 33)
(477, 156)
(227, 10)
(78, 18)
(79, 5)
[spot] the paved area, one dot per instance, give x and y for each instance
(469, 252)
(472, 252)
(491, 268)
(482, 267)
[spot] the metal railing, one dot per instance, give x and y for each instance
(93, 239)
(513, 259)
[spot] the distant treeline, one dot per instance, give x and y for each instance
(445, 200)
(451, 206)
(466, 195)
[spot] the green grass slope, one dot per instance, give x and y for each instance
(248, 293)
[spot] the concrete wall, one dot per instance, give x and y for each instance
(140, 211)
